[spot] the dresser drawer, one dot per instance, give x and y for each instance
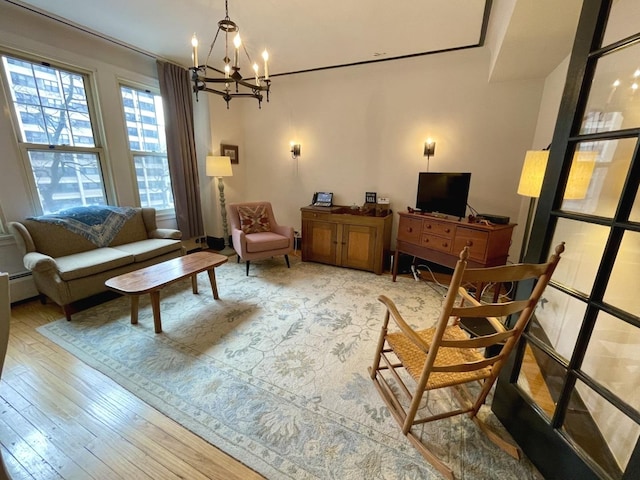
(434, 227)
(435, 242)
(476, 240)
(409, 230)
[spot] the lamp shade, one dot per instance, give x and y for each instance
(535, 164)
(219, 167)
(580, 175)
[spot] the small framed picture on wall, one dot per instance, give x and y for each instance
(230, 151)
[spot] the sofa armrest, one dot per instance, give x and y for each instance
(22, 237)
(166, 233)
(38, 262)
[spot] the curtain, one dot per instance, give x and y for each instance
(177, 99)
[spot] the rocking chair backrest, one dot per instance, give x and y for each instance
(469, 307)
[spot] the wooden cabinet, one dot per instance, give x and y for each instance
(337, 237)
(441, 240)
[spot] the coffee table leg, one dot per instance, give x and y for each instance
(194, 283)
(155, 306)
(134, 309)
(212, 280)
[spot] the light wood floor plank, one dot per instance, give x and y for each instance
(84, 424)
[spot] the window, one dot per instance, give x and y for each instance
(144, 117)
(56, 133)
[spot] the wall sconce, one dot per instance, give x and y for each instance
(429, 148)
(295, 150)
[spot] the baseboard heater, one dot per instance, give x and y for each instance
(21, 286)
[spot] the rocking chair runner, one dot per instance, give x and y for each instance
(445, 356)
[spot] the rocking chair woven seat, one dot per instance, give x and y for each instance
(409, 362)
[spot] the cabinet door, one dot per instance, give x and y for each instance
(358, 244)
(319, 242)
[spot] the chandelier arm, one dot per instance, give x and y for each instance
(215, 70)
(229, 95)
(211, 47)
(245, 84)
(246, 52)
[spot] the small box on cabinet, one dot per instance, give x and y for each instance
(382, 207)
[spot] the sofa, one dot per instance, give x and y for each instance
(70, 261)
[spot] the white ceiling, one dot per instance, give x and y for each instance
(300, 35)
(527, 37)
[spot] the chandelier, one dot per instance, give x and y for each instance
(228, 82)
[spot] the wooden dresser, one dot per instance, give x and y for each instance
(440, 240)
(339, 236)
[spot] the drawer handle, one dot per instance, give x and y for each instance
(426, 240)
(409, 230)
(469, 243)
(428, 227)
(445, 244)
(447, 230)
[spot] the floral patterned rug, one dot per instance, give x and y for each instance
(275, 371)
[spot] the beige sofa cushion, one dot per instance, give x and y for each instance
(56, 241)
(146, 249)
(95, 261)
(133, 230)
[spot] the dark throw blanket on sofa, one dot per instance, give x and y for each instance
(97, 223)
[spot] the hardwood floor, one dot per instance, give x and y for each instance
(61, 419)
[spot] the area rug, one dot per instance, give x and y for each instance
(275, 372)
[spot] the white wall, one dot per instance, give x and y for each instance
(363, 129)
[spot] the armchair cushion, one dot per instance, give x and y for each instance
(265, 242)
(254, 219)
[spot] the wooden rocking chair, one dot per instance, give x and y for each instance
(446, 356)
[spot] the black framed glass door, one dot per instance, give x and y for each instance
(569, 397)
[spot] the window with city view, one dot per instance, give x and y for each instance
(144, 117)
(56, 130)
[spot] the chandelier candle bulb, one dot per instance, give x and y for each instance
(265, 56)
(194, 44)
(236, 43)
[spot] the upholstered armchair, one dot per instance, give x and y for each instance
(256, 234)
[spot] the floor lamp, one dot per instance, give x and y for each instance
(221, 167)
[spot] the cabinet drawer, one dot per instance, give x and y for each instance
(433, 227)
(326, 217)
(409, 230)
(435, 242)
(476, 241)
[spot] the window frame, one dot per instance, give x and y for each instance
(97, 127)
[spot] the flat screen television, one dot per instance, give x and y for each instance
(444, 193)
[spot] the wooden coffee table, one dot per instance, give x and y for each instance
(155, 277)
